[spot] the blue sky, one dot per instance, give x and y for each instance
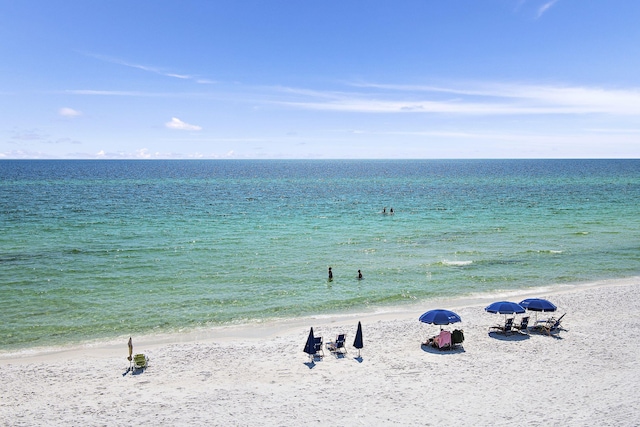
(331, 79)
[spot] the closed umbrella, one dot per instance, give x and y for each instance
(357, 342)
(310, 347)
(130, 358)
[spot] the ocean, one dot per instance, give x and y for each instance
(93, 250)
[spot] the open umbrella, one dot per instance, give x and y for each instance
(357, 342)
(538, 304)
(440, 317)
(505, 307)
(310, 347)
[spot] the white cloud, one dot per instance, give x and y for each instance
(145, 68)
(471, 99)
(143, 153)
(69, 112)
(108, 92)
(178, 124)
(205, 81)
(546, 7)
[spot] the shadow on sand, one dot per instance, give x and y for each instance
(339, 355)
(133, 371)
(312, 363)
(542, 333)
(433, 350)
(509, 337)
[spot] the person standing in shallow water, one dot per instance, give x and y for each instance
(359, 275)
(330, 274)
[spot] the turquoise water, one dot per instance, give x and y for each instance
(99, 249)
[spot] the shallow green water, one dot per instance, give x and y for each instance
(97, 249)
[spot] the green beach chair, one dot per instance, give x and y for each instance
(140, 361)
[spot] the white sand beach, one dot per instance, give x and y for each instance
(259, 376)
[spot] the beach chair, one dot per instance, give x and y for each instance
(317, 343)
(508, 325)
(552, 326)
(338, 345)
(140, 361)
(457, 337)
(524, 324)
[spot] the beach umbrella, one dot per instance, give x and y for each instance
(504, 307)
(440, 317)
(310, 347)
(357, 343)
(538, 304)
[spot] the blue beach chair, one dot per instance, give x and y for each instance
(508, 325)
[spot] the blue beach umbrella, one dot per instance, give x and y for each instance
(310, 347)
(505, 307)
(440, 317)
(357, 342)
(538, 304)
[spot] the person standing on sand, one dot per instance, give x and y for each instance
(330, 274)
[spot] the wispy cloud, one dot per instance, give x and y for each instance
(29, 135)
(149, 69)
(69, 112)
(145, 153)
(460, 98)
(133, 93)
(545, 7)
(176, 123)
(470, 99)
(108, 92)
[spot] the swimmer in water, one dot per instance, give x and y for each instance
(359, 275)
